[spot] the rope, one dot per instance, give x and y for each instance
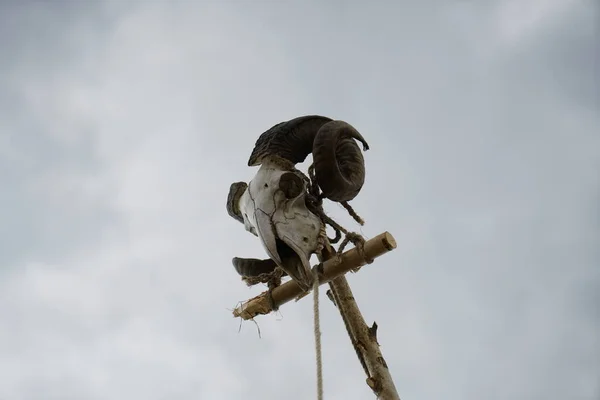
(317, 334)
(352, 213)
(315, 204)
(271, 278)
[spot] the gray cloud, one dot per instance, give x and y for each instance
(122, 126)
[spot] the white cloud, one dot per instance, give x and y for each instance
(517, 19)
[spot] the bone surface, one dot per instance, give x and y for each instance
(273, 207)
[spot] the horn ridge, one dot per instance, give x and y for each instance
(291, 140)
(253, 267)
(236, 190)
(339, 162)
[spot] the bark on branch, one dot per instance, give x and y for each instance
(362, 337)
(364, 341)
(332, 269)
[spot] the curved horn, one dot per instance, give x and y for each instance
(253, 267)
(339, 163)
(236, 190)
(292, 140)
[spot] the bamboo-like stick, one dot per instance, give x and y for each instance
(349, 260)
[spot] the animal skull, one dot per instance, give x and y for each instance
(273, 205)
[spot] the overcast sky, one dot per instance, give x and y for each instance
(122, 125)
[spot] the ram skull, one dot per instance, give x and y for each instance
(273, 205)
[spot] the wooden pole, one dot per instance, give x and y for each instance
(351, 259)
(363, 338)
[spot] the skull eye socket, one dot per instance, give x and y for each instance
(291, 185)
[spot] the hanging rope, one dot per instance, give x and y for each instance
(314, 202)
(317, 325)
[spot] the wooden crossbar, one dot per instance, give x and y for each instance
(332, 268)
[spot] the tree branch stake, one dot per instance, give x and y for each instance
(349, 260)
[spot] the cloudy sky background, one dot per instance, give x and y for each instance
(122, 125)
